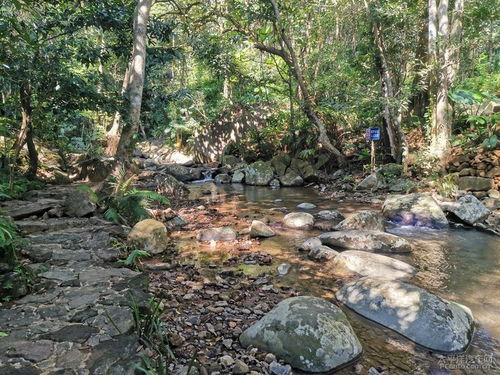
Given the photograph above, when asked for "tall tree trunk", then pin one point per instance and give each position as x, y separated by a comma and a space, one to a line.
137, 72
287, 53
25, 135
444, 59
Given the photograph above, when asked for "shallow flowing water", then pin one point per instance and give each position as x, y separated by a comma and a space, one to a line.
457, 264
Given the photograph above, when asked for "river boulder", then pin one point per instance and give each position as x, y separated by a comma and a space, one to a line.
415, 313
259, 173
291, 178
222, 178
217, 234
298, 220
183, 173
322, 253
473, 183
238, 177
149, 235
310, 244
468, 209
330, 215
364, 263
419, 210
366, 240
280, 164
309, 333
259, 229
368, 183
363, 220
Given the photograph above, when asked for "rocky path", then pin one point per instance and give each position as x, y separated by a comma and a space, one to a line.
78, 318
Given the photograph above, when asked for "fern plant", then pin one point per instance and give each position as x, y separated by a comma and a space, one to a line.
10, 240
125, 204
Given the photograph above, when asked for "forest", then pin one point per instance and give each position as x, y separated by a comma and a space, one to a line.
249, 187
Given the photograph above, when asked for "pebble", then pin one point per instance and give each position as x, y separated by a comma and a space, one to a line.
283, 269
306, 206
240, 367
270, 358
226, 360
227, 343
277, 369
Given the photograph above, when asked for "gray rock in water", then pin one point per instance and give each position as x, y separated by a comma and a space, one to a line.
79, 204
306, 206
298, 220
259, 173
172, 187
238, 177
259, 229
366, 240
330, 215
309, 333
363, 220
217, 234
222, 178
322, 253
374, 265
310, 244
468, 209
422, 317
415, 209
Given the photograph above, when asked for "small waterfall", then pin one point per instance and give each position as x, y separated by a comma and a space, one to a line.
207, 176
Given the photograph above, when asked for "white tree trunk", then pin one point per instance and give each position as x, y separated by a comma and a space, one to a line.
136, 76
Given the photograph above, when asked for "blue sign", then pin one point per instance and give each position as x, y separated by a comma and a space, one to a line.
372, 134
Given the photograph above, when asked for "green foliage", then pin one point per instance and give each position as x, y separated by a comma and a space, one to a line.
134, 257
445, 185
10, 241
154, 335
13, 185
125, 204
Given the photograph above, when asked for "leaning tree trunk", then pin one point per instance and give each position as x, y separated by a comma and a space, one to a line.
136, 78
392, 116
288, 54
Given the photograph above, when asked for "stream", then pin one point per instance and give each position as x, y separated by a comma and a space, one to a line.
461, 265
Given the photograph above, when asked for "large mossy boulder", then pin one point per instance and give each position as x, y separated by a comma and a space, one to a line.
363, 220
363, 263
419, 210
182, 173
259, 173
298, 220
421, 316
291, 178
366, 240
309, 333
281, 163
305, 169
149, 235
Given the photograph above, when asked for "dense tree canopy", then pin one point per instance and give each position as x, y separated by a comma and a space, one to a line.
331, 68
